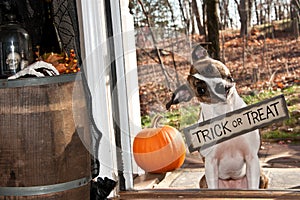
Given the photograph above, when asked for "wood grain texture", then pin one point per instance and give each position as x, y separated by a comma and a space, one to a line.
209, 194
41, 132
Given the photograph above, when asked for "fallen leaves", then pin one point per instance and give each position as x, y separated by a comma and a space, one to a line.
258, 64
64, 63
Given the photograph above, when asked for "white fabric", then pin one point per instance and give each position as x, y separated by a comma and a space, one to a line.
31, 70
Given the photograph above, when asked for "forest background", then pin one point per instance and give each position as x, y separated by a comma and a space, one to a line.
258, 40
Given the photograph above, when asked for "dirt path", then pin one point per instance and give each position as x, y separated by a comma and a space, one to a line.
280, 155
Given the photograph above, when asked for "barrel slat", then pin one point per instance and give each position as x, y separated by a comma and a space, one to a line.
42, 128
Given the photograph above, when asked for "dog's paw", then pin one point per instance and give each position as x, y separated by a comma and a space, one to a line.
263, 181
203, 183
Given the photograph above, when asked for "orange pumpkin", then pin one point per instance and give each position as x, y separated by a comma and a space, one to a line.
159, 150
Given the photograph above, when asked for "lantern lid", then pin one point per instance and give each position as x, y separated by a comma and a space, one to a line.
11, 24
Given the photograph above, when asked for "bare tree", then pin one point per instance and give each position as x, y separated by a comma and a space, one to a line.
176, 36
278, 10
295, 16
185, 9
296, 3
258, 20
261, 13
183, 15
204, 18
244, 8
268, 9
197, 16
224, 14
213, 28
155, 43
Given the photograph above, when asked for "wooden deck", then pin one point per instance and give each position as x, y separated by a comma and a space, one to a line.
209, 194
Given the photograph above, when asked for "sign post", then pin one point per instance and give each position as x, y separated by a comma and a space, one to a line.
235, 123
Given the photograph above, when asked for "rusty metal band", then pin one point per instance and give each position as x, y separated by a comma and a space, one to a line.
41, 190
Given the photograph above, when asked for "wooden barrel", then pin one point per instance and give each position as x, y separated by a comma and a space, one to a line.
43, 122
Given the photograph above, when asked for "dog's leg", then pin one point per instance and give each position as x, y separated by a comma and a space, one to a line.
211, 173
263, 183
253, 171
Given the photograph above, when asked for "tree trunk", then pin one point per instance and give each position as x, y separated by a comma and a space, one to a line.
261, 14
227, 16
245, 13
224, 14
280, 12
295, 16
250, 5
257, 13
193, 23
197, 15
162, 66
184, 17
176, 35
182, 11
204, 19
213, 29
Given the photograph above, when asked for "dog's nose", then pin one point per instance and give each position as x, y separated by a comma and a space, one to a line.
220, 88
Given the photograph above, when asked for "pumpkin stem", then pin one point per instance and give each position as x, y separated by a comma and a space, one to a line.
155, 121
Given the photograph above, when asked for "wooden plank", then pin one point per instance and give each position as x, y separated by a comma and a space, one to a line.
148, 180
209, 194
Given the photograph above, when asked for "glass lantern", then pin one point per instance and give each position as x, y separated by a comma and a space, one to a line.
15, 48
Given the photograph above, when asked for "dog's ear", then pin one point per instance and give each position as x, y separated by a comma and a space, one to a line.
183, 93
199, 53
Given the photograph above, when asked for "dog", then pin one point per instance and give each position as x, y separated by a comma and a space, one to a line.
233, 163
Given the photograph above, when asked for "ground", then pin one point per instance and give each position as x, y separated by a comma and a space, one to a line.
272, 155
279, 161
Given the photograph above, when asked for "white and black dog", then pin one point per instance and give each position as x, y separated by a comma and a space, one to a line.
233, 163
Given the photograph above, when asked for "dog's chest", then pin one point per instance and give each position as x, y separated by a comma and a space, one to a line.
209, 111
229, 154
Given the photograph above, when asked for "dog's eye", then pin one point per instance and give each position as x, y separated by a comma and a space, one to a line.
201, 90
200, 87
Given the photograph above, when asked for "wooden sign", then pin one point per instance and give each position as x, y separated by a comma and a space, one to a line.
238, 122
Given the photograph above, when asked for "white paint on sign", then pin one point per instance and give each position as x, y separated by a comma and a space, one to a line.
235, 123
